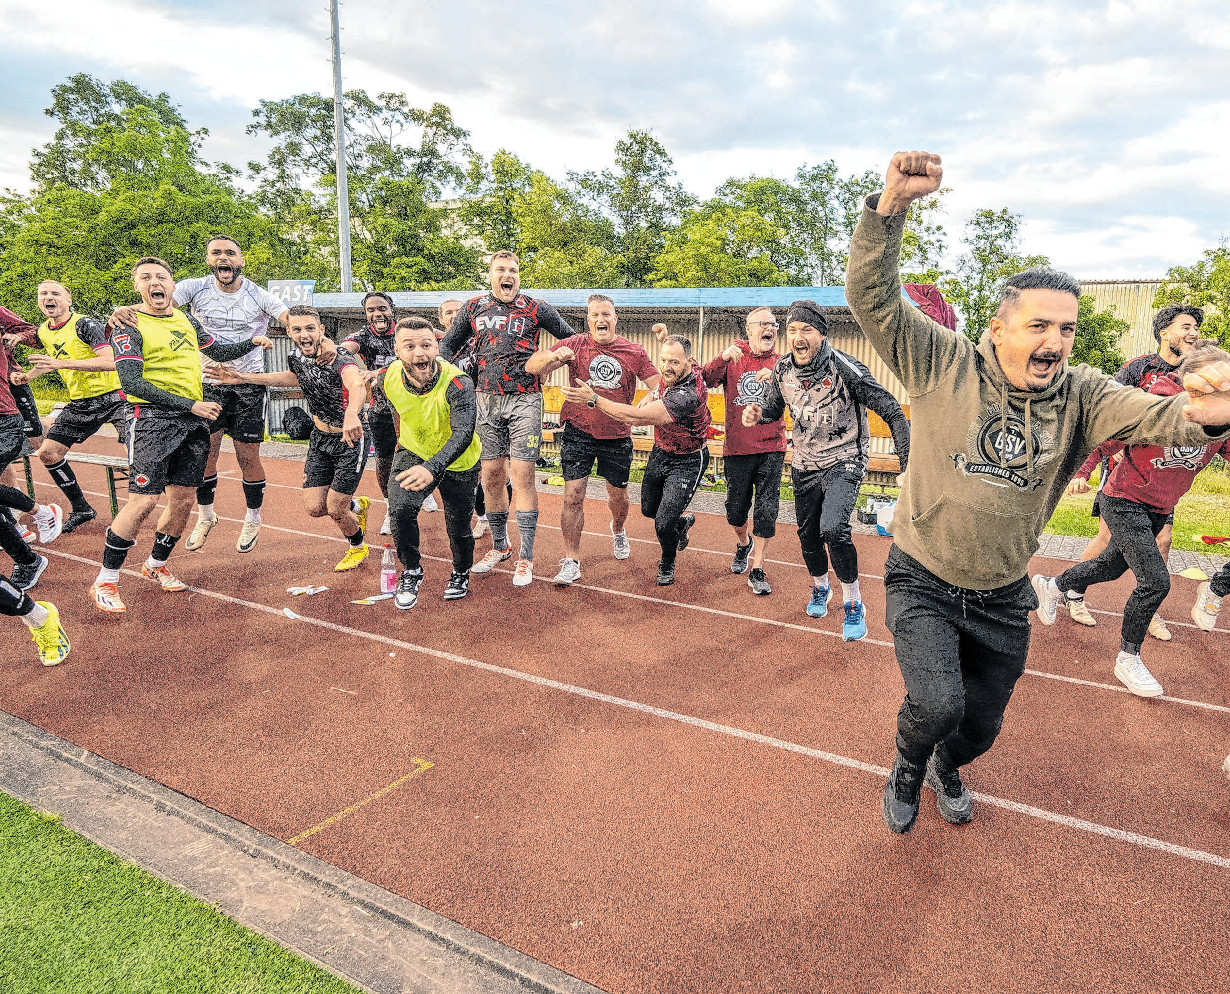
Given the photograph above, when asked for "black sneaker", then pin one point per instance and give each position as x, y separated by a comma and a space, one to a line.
26, 576
407, 593
458, 586
756, 580
901, 796
742, 553
666, 574
951, 797
685, 523
77, 519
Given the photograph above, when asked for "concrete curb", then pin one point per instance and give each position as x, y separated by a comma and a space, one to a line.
382, 948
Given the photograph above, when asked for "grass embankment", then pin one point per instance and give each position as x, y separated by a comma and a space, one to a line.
74, 918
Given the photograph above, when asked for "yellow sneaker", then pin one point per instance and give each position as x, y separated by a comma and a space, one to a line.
50, 637
354, 555
361, 513
163, 576
1080, 612
107, 598
1158, 629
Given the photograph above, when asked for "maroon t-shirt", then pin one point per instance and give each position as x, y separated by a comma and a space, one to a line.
11, 324
687, 404
738, 380
612, 370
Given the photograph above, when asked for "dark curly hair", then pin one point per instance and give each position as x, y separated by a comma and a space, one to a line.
1166, 316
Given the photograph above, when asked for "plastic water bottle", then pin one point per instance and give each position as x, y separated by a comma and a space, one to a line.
388, 570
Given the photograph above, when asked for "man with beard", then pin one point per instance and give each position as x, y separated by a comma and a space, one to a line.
374, 344
679, 411
753, 456
158, 359
505, 326
998, 429
828, 394
337, 450
437, 447
611, 365
1177, 329
77, 348
445, 314
231, 308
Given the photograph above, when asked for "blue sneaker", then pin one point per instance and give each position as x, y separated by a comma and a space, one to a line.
818, 606
854, 627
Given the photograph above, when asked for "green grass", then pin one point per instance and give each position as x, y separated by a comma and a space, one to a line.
74, 919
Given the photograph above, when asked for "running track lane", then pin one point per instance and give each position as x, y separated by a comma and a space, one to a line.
724, 884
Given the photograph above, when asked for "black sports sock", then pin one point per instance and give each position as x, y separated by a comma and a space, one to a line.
163, 544
64, 477
116, 550
254, 494
205, 492
356, 539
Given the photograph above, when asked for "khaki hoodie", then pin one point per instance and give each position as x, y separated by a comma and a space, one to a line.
988, 462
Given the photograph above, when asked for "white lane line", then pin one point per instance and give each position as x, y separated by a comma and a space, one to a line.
1079, 824
766, 621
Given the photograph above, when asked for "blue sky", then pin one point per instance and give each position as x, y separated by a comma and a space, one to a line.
1107, 125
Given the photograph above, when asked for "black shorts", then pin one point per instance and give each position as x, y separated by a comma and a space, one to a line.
80, 419
762, 471
580, 450
166, 451
384, 432
12, 438
243, 410
334, 464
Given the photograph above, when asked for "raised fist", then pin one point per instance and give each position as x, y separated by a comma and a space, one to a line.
661, 331
752, 415
1079, 485
911, 176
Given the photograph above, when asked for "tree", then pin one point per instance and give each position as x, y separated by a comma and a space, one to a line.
1097, 337
720, 245
641, 199
1205, 284
973, 287
924, 241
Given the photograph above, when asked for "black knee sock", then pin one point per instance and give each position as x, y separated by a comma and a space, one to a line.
356, 539
64, 477
116, 550
253, 493
205, 492
163, 544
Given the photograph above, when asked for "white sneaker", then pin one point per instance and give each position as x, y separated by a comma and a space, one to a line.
1204, 611
201, 532
569, 572
491, 560
523, 572
430, 504
623, 548
1048, 603
1225, 766
481, 528
1131, 672
248, 535
50, 523
386, 528
1080, 611
1158, 629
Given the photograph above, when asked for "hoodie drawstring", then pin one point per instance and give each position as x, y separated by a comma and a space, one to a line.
1003, 431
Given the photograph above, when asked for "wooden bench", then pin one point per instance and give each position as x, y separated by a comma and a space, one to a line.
116, 467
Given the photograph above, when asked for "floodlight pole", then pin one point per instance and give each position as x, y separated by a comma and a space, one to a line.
339, 143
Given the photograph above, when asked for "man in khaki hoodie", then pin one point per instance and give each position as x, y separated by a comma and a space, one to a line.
998, 430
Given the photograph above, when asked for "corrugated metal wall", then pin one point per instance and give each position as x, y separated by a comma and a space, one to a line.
1132, 301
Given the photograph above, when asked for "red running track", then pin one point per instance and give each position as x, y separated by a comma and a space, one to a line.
661, 790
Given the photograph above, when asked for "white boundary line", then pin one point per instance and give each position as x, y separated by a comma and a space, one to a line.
1079, 824
752, 618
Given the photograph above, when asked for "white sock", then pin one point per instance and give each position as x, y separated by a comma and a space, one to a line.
820, 581
1052, 587
850, 593
1072, 595
354, 506
253, 515
38, 617
482, 517
153, 563
108, 576
205, 511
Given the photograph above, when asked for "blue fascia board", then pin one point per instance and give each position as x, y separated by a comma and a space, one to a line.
754, 296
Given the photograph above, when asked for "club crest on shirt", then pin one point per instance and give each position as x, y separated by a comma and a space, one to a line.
122, 342
1180, 457
998, 447
605, 372
750, 390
